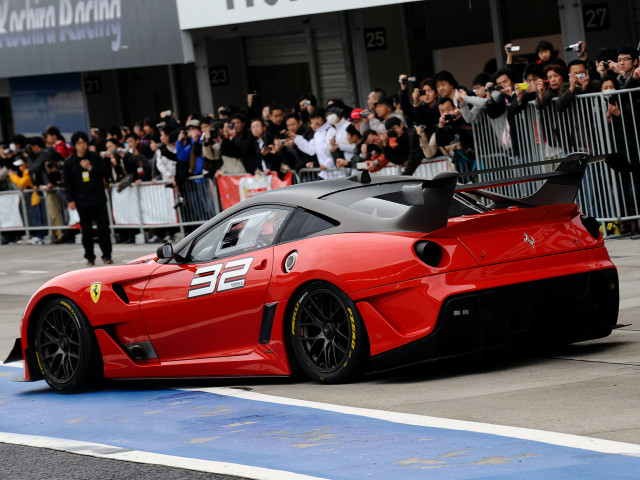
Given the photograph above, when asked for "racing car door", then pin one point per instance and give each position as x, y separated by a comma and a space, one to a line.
211, 304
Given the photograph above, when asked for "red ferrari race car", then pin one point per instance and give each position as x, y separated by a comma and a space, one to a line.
335, 278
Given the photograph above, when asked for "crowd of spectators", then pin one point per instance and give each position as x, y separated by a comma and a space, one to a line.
423, 119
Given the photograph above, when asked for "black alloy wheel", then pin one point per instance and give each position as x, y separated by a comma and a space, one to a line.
327, 334
66, 348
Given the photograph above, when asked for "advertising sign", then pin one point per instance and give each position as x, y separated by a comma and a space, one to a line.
57, 36
207, 13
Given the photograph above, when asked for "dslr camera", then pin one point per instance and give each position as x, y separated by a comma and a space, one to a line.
449, 117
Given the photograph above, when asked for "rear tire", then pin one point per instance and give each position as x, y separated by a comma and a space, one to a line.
327, 334
66, 349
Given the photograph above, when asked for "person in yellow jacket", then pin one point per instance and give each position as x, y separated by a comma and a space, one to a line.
21, 179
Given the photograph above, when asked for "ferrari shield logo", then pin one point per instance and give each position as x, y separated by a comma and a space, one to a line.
95, 291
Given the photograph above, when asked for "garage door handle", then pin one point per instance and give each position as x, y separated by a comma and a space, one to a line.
261, 266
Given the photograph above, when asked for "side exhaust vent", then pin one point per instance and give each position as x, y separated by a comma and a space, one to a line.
592, 226
141, 351
429, 252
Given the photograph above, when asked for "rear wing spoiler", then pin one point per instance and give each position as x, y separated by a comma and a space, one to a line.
561, 185
431, 200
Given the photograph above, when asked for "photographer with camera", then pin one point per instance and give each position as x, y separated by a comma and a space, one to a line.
265, 148
237, 148
395, 142
623, 69
384, 109
138, 168
579, 83
292, 156
425, 105
453, 135
370, 151
46, 174
472, 105
549, 88
502, 108
319, 145
306, 103
211, 140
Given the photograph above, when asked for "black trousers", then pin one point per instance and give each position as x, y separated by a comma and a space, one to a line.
100, 215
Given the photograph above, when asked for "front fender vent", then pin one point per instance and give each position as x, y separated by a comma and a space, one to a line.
119, 291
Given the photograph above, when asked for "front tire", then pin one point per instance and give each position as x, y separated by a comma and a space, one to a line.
66, 349
327, 334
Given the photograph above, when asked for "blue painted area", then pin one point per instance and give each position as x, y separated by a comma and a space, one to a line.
303, 440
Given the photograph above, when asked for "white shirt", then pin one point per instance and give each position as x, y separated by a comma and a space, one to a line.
342, 140
320, 146
165, 166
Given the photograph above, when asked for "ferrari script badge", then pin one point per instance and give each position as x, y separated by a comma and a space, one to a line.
95, 291
529, 240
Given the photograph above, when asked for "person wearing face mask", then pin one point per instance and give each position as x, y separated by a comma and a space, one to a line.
340, 141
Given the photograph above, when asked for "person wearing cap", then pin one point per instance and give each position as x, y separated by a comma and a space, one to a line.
384, 110
19, 175
189, 140
21, 178
189, 151
356, 117
84, 174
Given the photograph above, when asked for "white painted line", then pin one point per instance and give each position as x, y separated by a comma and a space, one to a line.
33, 272
116, 453
552, 438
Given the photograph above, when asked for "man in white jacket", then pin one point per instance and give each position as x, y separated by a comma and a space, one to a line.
335, 119
319, 145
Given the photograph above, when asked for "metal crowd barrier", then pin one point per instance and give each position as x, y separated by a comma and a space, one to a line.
151, 206
536, 135
311, 174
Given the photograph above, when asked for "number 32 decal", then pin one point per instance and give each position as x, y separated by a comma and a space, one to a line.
232, 277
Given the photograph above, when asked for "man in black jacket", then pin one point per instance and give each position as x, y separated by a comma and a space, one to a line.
84, 174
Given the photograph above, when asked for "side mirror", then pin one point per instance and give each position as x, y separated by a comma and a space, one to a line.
164, 251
